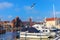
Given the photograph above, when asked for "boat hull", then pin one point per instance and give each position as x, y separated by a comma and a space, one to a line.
34, 35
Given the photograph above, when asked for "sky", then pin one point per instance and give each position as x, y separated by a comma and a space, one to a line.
9, 9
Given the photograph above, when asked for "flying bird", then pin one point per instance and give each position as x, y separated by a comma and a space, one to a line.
33, 5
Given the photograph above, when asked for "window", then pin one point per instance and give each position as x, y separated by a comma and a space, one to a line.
37, 27
44, 30
57, 22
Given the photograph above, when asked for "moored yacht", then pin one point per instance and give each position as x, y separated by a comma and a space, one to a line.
36, 31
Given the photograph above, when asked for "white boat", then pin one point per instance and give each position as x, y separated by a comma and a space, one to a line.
41, 28
44, 33
34, 35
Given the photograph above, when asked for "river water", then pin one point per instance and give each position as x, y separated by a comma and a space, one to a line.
7, 36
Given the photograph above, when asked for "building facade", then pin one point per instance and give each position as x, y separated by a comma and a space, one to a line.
52, 22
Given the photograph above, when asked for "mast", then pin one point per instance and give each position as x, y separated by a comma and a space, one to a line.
54, 13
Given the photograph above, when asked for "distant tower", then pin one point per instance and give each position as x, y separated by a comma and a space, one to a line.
17, 22
30, 22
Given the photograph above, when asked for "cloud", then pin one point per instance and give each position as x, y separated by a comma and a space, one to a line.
35, 11
31, 17
1, 16
38, 18
17, 9
5, 5
10, 16
57, 12
28, 9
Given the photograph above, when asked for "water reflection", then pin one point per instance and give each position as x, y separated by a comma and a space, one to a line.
7, 36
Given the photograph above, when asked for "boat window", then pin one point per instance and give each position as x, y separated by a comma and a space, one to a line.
44, 30
37, 27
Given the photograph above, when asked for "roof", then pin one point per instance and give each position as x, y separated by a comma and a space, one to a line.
51, 19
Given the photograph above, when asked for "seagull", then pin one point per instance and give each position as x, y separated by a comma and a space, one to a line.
33, 5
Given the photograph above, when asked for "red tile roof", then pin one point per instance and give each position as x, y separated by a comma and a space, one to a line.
51, 19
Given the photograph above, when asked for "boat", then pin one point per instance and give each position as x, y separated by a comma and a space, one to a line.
36, 31
41, 28
33, 35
